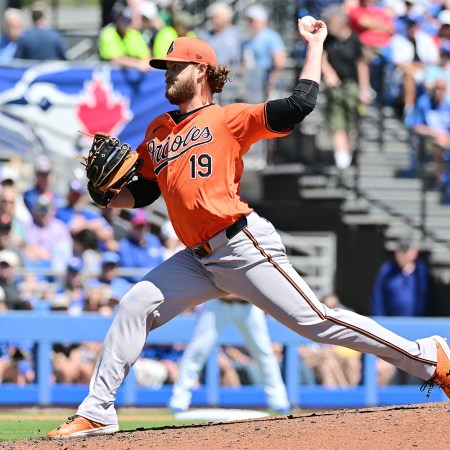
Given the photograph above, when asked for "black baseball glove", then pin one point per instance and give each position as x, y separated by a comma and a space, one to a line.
110, 166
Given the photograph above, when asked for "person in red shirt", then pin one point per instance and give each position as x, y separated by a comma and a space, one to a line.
374, 25
193, 158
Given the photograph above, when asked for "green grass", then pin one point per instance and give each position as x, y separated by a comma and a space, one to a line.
34, 422
24, 424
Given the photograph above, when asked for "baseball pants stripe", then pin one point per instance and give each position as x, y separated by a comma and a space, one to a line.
325, 317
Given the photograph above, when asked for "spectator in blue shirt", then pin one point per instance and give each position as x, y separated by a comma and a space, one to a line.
71, 295
12, 29
402, 284
432, 121
219, 30
401, 290
43, 184
40, 42
74, 213
109, 276
77, 215
264, 53
140, 248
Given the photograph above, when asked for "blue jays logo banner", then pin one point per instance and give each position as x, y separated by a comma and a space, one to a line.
48, 103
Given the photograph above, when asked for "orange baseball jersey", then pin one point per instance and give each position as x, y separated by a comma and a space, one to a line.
198, 165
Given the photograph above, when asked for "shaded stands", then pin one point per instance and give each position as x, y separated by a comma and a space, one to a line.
368, 206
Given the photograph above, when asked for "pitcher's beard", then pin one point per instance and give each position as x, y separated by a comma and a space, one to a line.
180, 92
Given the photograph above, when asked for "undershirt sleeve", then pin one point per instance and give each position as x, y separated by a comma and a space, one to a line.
285, 113
144, 192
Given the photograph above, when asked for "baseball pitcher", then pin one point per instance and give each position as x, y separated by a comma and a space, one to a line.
192, 156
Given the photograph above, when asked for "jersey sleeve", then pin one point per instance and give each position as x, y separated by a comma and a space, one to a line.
248, 123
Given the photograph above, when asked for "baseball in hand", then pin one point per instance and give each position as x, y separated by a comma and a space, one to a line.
308, 23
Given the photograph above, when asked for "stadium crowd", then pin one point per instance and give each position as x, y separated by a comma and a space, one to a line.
61, 253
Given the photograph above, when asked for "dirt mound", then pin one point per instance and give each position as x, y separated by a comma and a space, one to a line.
423, 426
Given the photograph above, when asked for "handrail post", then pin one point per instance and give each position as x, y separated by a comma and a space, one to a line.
292, 370
44, 371
370, 380
212, 379
423, 185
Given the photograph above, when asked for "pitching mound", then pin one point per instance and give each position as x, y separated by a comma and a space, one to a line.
423, 426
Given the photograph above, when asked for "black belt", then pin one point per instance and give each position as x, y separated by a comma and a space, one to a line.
234, 300
204, 249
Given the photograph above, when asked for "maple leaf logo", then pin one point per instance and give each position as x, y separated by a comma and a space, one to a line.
99, 108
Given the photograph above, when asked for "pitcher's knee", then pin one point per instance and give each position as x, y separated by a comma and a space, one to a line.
143, 298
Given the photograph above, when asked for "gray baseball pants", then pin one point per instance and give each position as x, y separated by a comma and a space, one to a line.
252, 265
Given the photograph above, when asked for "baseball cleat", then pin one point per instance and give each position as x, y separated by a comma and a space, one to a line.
441, 376
78, 426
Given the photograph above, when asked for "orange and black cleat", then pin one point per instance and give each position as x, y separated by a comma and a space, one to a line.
441, 376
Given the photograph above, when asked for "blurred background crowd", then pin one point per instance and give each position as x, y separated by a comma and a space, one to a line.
60, 253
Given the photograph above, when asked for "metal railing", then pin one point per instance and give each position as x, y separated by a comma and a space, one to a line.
47, 329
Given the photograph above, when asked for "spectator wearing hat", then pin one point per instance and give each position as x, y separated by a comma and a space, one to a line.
12, 27
401, 285
444, 26
11, 202
74, 213
182, 25
221, 29
9, 262
86, 246
264, 54
109, 276
151, 23
71, 296
77, 216
140, 249
121, 44
8, 175
48, 240
43, 183
40, 42
401, 289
